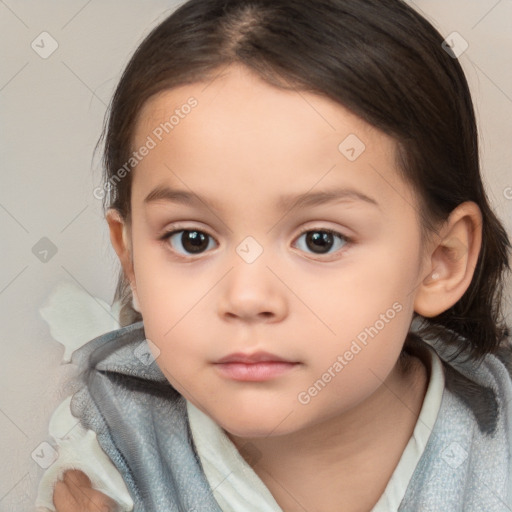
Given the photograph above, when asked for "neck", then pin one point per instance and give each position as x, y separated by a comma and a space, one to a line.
349, 458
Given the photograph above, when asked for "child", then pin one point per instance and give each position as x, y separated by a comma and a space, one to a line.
294, 194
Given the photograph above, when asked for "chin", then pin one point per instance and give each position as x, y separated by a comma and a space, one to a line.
252, 431
257, 424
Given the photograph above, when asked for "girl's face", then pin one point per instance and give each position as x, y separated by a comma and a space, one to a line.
258, 269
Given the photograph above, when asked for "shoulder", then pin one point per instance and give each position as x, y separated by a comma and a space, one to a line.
504, 355
484, 387
111, 346
467, 461
119, 359
118, 371
123, 407
75, 447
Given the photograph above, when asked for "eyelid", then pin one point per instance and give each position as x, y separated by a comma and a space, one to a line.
177, 226
323, 228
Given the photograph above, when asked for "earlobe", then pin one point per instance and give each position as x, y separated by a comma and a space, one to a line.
452, 261
135, 300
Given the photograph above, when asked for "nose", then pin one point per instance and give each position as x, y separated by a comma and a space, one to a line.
252, 292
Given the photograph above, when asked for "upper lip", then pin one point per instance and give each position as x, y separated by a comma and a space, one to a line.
256, 357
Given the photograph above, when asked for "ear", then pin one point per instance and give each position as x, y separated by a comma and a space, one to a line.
450, 261
121, 242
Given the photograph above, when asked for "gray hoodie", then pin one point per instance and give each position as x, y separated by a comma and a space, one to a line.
142, 425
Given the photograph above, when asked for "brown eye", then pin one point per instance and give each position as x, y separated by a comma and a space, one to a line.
192, 241
321, 241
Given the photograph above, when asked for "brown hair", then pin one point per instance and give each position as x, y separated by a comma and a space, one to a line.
378, 58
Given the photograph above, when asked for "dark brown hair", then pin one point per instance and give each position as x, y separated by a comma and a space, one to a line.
378, 58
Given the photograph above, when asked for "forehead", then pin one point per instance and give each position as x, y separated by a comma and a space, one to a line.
243, 134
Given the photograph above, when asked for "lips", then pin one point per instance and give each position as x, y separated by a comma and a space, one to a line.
257, 357
256, 367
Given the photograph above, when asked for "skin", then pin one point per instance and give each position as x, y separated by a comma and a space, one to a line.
75, 494
244, 145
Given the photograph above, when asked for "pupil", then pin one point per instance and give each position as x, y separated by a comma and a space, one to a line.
323, 240
193, 240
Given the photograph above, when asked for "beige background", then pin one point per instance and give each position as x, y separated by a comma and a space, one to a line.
51, 115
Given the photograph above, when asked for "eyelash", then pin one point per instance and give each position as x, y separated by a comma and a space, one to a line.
179, 229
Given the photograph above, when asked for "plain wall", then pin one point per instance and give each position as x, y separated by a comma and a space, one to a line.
52, 113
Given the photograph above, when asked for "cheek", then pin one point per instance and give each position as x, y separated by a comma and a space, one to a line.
346, 369
374, 289
368, 311
168, 301
387, 270
165, 288
173, 324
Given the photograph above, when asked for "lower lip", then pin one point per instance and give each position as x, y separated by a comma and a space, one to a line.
255, 372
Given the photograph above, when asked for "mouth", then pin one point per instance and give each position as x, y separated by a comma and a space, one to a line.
257, 367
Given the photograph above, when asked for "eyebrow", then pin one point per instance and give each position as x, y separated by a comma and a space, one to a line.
284, 202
